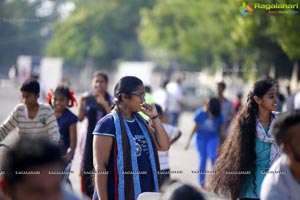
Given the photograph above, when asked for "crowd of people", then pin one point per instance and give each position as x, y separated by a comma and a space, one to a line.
124, 138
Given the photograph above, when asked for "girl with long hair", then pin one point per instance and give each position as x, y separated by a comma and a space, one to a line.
250, 149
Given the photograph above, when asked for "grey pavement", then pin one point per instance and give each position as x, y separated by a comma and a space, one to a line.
182, 162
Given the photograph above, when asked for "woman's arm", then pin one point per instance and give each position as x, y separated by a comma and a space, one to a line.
101, 100
73, 141
196, 127
101, 152
176, 138
160, 136
82, 102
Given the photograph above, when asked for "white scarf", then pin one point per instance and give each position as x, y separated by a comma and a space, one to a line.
269, 138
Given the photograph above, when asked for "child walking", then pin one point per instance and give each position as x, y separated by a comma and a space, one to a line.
60, 100
31, 117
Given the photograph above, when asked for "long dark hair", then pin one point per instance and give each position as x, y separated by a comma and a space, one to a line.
214, 106
237, 155
127, 85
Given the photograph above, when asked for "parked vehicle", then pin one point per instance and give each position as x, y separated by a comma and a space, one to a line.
195, 95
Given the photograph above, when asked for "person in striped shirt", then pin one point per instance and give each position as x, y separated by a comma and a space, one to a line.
31, 117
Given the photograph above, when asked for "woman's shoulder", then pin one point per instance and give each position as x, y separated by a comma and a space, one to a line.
70, 114
106, 119
200, 111
86, 94
105, 126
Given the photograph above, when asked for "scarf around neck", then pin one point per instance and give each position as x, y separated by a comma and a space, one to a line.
269, 138
128, 186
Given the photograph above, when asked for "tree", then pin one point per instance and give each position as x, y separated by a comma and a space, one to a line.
194, 31
203, 33
99, 31
21, 28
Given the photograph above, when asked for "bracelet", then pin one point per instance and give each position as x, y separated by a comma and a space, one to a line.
154, 117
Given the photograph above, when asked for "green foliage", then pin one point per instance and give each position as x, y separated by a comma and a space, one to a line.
99, 31
204, 33
21, 28
194, 31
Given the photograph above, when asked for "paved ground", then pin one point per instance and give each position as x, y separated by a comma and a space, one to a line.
183, 162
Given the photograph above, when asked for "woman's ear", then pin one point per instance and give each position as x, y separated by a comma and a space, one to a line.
124, 97
257, 99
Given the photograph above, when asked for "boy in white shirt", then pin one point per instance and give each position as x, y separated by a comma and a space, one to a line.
31, 117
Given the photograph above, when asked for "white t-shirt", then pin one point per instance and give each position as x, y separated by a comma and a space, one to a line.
279, 183
172, 133
297, 100
160, 97
175, 97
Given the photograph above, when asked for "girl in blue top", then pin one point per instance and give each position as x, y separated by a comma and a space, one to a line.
208, 126
125, 145
250, 149
60, 100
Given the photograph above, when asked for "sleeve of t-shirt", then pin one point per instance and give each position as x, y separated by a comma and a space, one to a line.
105, 126
9, 124
73, 118
270, 191
197, 117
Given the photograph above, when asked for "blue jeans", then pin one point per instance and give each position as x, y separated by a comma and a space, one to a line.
207, 147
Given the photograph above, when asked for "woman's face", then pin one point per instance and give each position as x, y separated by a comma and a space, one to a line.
137, 99
269, 100
99, 84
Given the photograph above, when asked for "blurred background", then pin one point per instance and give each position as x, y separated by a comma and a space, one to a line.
73, 38
202, 42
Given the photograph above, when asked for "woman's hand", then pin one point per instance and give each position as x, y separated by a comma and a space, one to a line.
82, 103
149, 109
69, 156
101, 100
